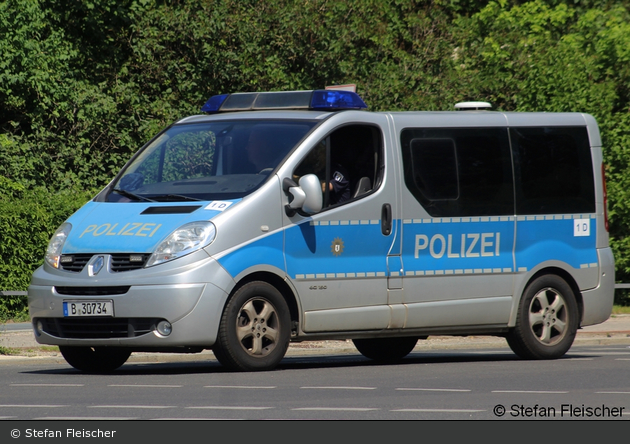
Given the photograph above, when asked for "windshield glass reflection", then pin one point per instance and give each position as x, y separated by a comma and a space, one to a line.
207, 161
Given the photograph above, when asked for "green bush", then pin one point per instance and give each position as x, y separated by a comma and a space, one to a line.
84, 84
28, 218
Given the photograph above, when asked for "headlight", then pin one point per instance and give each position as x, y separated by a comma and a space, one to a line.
53, 252
186, 239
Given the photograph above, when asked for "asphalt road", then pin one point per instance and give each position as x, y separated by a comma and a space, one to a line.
590, 382
444, 378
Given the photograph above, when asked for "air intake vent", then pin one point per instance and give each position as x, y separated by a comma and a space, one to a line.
172, 209
98, 328
92, 291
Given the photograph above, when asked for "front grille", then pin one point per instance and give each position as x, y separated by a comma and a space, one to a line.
120, 261
74, 262
92, 291
98, 328
127, 261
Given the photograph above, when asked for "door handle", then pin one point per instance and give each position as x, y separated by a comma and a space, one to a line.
386, 219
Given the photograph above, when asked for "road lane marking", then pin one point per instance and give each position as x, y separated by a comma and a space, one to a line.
29, 406
145, 385
227, 407
433, 389
336, 409
611, 353
613, 393
132, 406
537, 392
86, 418
255, 387
438, 410
47, 385
608, 348
340, 388
195, 419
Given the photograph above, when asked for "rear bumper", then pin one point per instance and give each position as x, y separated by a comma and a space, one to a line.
598, 302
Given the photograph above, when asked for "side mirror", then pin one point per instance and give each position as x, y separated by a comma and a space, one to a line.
307, 196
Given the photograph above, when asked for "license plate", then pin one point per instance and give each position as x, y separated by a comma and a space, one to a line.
88, 308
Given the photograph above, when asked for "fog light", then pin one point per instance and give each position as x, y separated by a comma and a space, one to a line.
164, 328
39, 329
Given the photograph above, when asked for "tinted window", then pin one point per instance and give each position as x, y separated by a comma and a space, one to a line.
435, 168
553, 169
459, 172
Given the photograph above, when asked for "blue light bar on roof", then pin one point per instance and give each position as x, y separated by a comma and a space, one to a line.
214, 103
333, 100
322, 100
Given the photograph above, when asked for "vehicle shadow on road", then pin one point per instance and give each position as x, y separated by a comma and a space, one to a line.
289, 363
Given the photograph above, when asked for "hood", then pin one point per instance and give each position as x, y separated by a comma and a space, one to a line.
134, 227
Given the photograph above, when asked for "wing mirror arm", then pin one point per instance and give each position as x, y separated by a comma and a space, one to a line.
305, 196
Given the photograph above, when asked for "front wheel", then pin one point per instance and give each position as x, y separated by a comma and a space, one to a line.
547, 320
385, 349
255, 329
95, 359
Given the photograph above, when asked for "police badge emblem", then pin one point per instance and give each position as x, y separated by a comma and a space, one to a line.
337, 246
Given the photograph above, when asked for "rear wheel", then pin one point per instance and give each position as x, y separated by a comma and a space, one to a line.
95, 359
255, 329
547, 319
385, 349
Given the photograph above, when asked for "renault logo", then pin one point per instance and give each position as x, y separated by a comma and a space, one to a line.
96, 266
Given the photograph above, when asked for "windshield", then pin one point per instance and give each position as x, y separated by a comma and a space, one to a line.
208, 161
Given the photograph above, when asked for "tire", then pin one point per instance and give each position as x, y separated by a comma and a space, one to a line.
255, 329
385, 349
95, 359
547, 320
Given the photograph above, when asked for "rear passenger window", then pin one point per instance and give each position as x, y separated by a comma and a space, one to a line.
553, 168
435, 168
456, 172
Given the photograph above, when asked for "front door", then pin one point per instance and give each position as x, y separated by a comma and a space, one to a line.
337, 259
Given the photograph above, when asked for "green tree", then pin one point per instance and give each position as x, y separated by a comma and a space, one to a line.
84, 84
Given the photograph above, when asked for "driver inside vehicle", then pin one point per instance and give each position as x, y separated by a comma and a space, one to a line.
262, 152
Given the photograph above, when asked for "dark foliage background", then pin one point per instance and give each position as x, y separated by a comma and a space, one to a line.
84, 84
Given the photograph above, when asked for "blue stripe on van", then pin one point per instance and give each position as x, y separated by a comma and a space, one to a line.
266, 250
464, 245
480, 245
543, 240
474, 245
337, 249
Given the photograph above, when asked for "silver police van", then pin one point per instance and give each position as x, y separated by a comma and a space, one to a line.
296, 216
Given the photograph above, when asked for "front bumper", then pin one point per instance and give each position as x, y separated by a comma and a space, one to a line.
189, 293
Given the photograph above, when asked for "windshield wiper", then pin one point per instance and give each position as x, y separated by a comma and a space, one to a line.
174, 197
136, 197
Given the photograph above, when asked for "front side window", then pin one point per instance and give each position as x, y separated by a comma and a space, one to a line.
348, 163
207, 161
